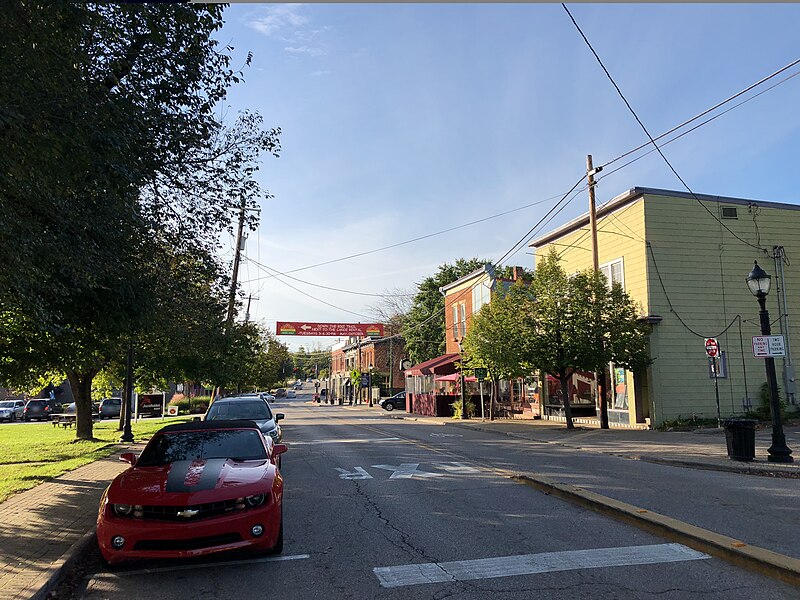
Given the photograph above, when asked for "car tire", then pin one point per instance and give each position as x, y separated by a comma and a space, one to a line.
278, 547
13, 418
389, 406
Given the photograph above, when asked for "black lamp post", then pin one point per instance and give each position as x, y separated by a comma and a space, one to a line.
127, 434
758, 281
369, 389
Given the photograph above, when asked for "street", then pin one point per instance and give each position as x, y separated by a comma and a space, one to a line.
378, 507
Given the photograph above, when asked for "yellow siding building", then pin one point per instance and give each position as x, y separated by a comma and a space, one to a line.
684, 259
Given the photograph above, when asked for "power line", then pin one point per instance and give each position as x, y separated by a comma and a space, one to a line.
650, 137
416, 239
713, 108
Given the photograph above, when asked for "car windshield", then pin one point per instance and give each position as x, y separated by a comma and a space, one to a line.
6, 405
257, 411
235, 444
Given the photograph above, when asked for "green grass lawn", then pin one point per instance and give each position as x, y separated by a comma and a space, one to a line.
35, 452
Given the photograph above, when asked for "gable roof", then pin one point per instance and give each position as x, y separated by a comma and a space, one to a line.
486, 269
439, 365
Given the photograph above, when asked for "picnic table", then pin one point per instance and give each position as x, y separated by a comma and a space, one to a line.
64, 419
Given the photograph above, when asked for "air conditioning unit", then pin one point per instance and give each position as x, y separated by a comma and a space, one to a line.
172, 411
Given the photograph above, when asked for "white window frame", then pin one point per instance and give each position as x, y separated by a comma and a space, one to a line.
621, 262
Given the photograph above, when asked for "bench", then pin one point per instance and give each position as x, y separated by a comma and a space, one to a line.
63, 419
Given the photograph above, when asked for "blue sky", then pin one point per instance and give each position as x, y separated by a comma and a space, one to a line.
403, 120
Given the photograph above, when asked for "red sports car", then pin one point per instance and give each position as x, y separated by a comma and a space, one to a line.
196, 488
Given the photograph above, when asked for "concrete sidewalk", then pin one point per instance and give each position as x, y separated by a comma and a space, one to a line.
42, 530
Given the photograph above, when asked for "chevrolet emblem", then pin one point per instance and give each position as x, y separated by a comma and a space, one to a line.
188, 513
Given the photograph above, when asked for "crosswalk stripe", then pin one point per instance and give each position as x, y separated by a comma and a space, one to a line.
529, 564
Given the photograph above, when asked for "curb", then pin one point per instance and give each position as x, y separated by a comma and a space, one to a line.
742, 469
48, 580
754, 558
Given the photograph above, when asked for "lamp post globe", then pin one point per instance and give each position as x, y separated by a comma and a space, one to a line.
759, 283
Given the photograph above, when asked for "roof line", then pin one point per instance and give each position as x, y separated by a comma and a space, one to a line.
634, 194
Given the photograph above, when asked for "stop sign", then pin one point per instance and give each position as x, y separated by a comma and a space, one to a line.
712, 347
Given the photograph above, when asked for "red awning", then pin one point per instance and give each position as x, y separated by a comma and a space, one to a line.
443, 364
456, 377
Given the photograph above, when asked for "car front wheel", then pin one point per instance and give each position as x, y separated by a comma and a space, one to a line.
278, 547
13, 417
389, 406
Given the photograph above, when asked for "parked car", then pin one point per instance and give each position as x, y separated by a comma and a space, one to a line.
267, 396
298, 385
11, 410
70, 410
291, 394
197, 488
252, 409
280, 393
110, 408
396, 401
40, 409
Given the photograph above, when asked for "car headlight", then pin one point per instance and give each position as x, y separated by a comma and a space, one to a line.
257, 500
123, 510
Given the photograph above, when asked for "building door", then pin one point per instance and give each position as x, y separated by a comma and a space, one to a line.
641, 393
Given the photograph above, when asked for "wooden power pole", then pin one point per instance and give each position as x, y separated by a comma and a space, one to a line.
235, 274
600, 376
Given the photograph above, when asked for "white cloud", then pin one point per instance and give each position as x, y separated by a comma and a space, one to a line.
310, 50
320, 73
278, 18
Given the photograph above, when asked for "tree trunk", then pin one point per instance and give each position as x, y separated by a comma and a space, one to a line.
564, 379
81, 385
491, 399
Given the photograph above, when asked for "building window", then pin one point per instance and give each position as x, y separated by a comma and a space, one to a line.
614, 272
455, 322
462, 311
729, 212
481, 295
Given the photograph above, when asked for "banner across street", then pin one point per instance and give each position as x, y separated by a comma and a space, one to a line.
329, 329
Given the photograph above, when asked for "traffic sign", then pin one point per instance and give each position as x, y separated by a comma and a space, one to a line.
765, 346
712, 347
480, 373
329, 329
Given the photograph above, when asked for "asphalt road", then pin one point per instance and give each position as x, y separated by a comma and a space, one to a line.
380, 508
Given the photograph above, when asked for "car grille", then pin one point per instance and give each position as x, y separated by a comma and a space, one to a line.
188, 544
170, 513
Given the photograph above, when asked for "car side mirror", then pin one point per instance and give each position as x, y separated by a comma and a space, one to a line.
196, 419
278, 449
279, 416
128, 457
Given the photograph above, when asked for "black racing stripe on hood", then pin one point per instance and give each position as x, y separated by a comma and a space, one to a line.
208, 478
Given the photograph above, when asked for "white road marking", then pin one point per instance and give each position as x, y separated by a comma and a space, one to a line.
406, 471
348, 441
199, 565
446, 435
358, 473
529, 564
457, 467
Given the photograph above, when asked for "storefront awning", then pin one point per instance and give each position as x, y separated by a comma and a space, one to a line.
456, 377
441, 365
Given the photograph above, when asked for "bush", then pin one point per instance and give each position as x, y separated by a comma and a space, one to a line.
457, 409
763, 413
193, 406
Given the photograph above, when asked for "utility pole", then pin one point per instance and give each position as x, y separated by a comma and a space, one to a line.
247, 312
600, 376
235, 274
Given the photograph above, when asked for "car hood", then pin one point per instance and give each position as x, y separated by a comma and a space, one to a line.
192, 482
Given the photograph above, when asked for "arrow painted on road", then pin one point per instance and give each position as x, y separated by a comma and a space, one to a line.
406, 471
358, 473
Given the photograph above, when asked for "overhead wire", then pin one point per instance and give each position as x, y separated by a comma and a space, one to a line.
650, 137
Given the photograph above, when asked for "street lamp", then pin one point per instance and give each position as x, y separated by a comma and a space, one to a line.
369, 389
758, 281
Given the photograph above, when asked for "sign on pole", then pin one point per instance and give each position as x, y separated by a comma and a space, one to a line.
712, 347
329, 329
765, 346
480, 373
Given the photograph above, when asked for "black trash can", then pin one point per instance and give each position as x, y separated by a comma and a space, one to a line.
740, 436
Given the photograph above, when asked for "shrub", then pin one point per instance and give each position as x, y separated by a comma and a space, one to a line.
193, 406
457, 409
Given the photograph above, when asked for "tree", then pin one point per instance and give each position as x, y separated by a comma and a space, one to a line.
496, 337
112, 147
565, 317
424, 330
